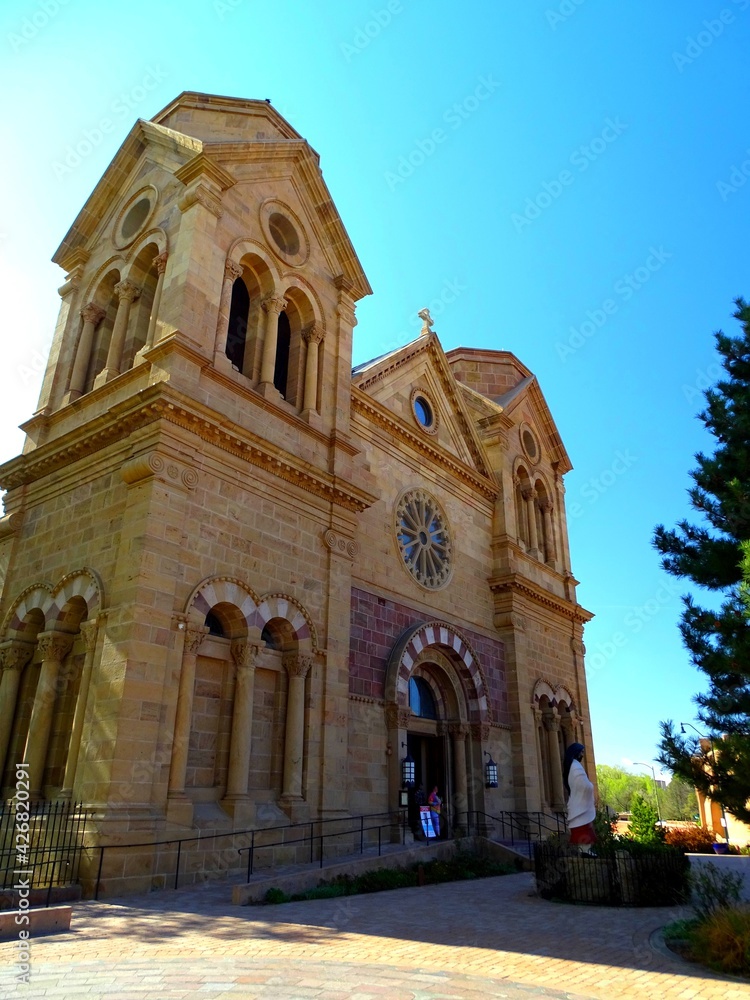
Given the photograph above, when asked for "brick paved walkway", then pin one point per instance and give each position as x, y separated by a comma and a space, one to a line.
465, 940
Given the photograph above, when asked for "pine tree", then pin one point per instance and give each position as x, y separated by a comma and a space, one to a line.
716, 555
643, 820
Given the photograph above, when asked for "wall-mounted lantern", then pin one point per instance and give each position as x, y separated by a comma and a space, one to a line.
407, 770
490, 772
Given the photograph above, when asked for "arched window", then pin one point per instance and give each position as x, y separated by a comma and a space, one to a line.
239, 312
283, 343
214, 624
421, 700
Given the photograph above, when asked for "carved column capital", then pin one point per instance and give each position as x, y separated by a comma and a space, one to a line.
552, 722
538, 715
545, 506
244, 654
15, 654
232, 270
160, 262
92, 313
528, 493
127, 290
274, 304
54, 646
194, 636
297, 664
89, 630
313, 334
459, 730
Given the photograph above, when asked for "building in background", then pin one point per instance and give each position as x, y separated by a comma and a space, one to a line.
241, 582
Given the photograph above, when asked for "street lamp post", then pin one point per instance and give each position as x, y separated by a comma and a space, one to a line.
713, 754
656, 787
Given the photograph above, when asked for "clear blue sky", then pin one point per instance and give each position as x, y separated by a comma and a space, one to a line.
566, 180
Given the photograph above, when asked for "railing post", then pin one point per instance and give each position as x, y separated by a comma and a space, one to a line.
312, 834
99, 873
177, 867
380, 828
321, 848
361, 834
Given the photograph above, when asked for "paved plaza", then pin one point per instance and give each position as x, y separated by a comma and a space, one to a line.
460, 941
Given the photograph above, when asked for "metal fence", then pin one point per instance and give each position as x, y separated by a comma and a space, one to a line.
41, 844
636, 876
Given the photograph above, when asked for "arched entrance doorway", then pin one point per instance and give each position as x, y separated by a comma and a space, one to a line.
437, 712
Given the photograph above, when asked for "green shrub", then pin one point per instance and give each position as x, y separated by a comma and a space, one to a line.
275, 895
713, 890
643, 820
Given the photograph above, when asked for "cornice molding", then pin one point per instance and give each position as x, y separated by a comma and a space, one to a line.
515, 585
159, 402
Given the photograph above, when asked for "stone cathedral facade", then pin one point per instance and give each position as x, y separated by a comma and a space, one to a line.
241, 580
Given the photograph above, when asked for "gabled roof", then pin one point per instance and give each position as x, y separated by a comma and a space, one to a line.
222, 130
386, 367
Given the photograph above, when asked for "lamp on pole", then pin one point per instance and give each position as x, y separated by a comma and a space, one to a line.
638, 763
713, 754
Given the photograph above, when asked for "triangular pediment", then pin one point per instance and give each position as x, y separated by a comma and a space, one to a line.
146, 141
402, 381
233, 143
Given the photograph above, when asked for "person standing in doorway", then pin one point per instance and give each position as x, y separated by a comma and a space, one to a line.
435, 803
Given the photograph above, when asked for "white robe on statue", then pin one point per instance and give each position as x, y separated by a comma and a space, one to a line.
581, 807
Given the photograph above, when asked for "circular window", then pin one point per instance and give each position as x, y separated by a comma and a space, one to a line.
284, 234
134, 216
423, 539
423, 411
530, 446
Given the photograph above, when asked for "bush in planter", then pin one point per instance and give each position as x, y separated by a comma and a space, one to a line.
722, 940
692, 839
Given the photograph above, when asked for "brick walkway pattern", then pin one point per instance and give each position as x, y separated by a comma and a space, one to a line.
464, 940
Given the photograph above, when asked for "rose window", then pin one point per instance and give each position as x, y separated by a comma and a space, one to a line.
423, 539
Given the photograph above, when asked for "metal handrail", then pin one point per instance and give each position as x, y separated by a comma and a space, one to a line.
284, 841
520, 824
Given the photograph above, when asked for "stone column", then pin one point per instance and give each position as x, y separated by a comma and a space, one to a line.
14, 655
313, 337
529, 496
127, 293
244, 656
54, 647
88, 632
160, 263
272, 306
555, 765
549, 537
459, 732
232, 272
544, 792
297, 667
397, 724
194, 636
92, 315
